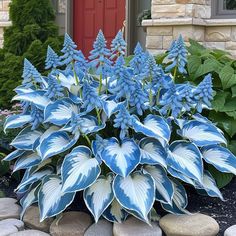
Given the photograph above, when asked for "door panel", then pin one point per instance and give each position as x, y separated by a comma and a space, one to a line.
92, 15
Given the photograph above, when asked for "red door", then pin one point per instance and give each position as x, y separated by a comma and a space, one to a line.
92, 15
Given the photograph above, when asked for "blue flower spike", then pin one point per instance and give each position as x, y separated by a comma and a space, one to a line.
52, 59
118, 46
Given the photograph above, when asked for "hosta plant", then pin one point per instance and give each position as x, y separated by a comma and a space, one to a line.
124, 135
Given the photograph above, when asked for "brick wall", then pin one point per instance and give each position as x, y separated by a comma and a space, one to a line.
192, 19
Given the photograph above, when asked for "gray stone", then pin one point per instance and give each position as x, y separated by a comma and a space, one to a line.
231, 231
135, 227
30, 233
6, 230
71, 224
101, 228
12, 222
9, 208
32, 220
189, 225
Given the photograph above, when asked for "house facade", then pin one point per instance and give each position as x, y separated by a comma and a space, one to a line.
210, 22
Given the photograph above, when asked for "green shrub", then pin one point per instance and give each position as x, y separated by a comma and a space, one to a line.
32, 30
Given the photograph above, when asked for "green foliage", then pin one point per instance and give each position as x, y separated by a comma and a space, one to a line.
4, 165
32, 30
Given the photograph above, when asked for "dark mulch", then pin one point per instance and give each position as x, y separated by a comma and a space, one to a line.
7, 186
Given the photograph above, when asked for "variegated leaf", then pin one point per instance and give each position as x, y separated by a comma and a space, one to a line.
153, 126
121, 158
221, 158
28, 199
79, 170
36, 97
27, 139
202, 133
136, 193
60, 112
164, 187
14, 155
99, 196
97, 147
52, 200
27, 160
209, 185
111, 107
17, 121
186, 158
115, 212
180, 201
55, 143
152, 152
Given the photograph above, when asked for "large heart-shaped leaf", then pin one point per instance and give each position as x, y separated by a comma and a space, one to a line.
221, 158
115, 212
55, 143
52, 200
202, 134
27, 139
60, 112
153, 126
136, 193
164, 187
121, 158
152, 152
79, 170
17, 121
186, 158
36, 97
99, 196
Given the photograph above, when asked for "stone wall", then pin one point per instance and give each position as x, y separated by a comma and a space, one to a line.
4, 18
191, 19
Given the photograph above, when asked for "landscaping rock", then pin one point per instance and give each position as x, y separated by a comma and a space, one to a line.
71, 224
6, 230
189, 225
9, 208
32, 220
30, 233
135, 227
231, 231
12, 222
101, 228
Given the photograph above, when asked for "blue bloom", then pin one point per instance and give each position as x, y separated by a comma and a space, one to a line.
138, 99
123, 120
151, 68
118, 68
138, 60
177, 54
100, 54
118, 46
70, 52
204, 93
30, 76
55, 89
52, 60
37, 117
90, 98
126, 85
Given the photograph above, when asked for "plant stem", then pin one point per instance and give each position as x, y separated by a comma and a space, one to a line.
175, 72
98, 116
100, 85
150, 92
87, 138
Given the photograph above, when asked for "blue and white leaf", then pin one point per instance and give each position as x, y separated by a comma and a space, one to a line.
152, 152
52, 200
13, 155
164, 186
153, 126
115, 212
79, 170
122, 158
136, 193
60, 112
202, 133
221, 158
186, 158
99, 196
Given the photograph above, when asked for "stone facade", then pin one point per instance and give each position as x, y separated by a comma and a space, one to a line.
4, 18
191, 19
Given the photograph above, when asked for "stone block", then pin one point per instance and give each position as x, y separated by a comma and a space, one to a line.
168, 11
189, 31
160, 30
164, 2
154, 42
215, 45
230, 45
233, 33
4, 16
5, 6
167, 40
218, 34
202, 11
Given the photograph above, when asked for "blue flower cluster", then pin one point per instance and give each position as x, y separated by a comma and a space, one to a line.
52, 59
118, 46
